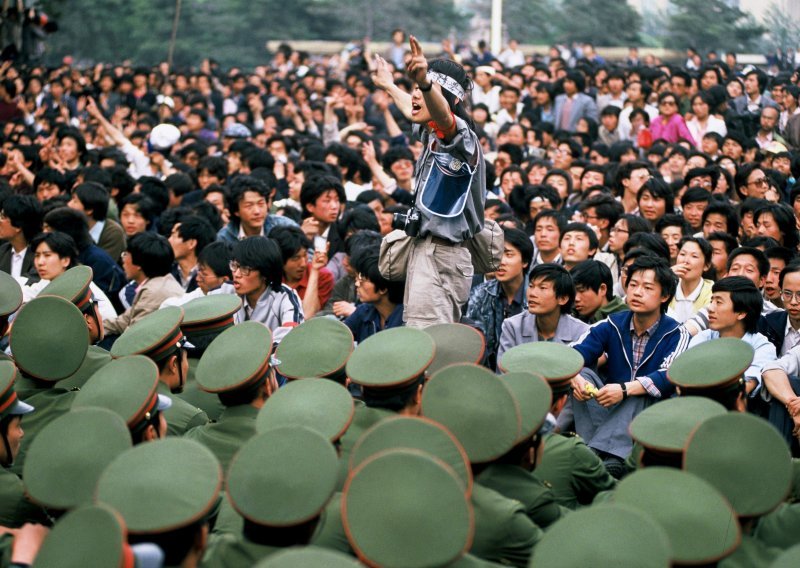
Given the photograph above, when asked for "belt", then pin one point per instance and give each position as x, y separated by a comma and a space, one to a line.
440, 241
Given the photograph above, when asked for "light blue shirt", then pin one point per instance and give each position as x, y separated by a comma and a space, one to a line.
764, 353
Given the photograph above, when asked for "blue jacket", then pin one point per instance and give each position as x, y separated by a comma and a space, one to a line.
612, 336
366, 321
230, 232
106, 273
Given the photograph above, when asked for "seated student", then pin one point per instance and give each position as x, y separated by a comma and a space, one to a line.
734, 311
722, 245
640, 345
672, 228
493, 301
93, 199
594, 292
106, 273
311, 280
720, 216
694, 291
189, 237
257, 272
381, 304
693, 203
137, 214
655, 199
547, 227
743, 261
322, 198
48, 183
550, 296
249, 200
779, 258
578, 242
344, 298
147, 262
20, 221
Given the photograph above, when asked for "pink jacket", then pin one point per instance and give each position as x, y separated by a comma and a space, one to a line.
672, 131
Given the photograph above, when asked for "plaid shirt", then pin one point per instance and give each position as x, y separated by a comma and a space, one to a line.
639, 346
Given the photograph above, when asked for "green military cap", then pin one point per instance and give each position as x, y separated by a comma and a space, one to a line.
388, 524
534, 397
604, 535
283, 477
666, 426
161, 486
10, 294
700, 523
237, 358
319, 347
209, 314
93, 535
392, 358
73, 286
324, 406
49, 339
10, 404
477, 407
556, 363
745, 458
714, 365
455, 343
309, 557
415, 433
790, 558
157, 335
127, 386
69, 454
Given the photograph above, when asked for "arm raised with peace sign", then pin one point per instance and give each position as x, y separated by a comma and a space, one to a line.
382, 78
437, 106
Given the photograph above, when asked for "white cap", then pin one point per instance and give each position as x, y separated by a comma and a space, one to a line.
164, 136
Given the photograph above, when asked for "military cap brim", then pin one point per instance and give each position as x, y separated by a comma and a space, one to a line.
210, 313
391, 358
319, 347
10, 294
556, 363
711, 364
666, 426
534, 397
10, 404
237, 358
455, 343
154, 336
308, 557
73, 286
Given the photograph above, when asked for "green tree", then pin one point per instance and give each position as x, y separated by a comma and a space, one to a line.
531, 21
784, 33
611, 22
712, 24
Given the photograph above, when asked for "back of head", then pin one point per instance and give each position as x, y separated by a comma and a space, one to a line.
152, 253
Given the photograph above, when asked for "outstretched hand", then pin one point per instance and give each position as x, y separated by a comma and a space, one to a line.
382, 75
417, 67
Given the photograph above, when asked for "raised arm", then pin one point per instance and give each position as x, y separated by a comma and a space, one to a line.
382, 78
431, 91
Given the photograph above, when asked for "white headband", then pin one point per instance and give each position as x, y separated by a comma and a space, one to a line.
447, 83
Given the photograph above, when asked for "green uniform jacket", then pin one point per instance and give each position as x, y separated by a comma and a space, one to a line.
503, 532
181, 416
616, 304
364, 418
236, 425
49, 402
96, 359
15, 508
573, 470
194, 395
781, 528
752, 553
6, 545
516, 483
232, 552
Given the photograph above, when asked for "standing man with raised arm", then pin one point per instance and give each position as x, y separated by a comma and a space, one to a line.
450, 189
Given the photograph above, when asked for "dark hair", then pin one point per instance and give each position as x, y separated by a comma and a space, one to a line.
651, 241
49, 175
730, 241
605, 207
217, 256
179, 184
262, 254
94, 197
215, 166
143, 205
705, 247
365, 262
659, 190
578, 78
556, 172
726, 210
122, 181
289, 240
663, 274
695, 195
673, 220
556, 216
60, 243
635, 224
784, 218
358, 218
581, 228
745, 297
791, 268
395, 154
520, 241
592, 274
75, 134
156, 190
197, 228
314, 187
152, 253
24, 212
241, 185
742, 173
561, 279
781, 253
625, 171
712, 171
757, 254
459, 74
72, 222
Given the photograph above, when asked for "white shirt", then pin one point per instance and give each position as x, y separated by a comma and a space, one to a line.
684, 305
241, 234
491, 99
624, 127
96, 230
511, 57
16, 261
791, 338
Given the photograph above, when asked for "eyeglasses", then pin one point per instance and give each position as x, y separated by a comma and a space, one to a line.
670, 103
244, 270
788, 296
619, 230
763, 182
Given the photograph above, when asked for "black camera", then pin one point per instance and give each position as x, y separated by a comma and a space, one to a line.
409, 222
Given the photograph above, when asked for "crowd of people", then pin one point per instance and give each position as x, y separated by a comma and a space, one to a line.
180, 247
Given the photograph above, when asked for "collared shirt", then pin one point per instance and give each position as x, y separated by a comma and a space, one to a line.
16, 261
682, 308
242, 235
97, 230
639, 345
754, 106
791, 338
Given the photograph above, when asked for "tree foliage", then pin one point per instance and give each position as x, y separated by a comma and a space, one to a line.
712, 24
